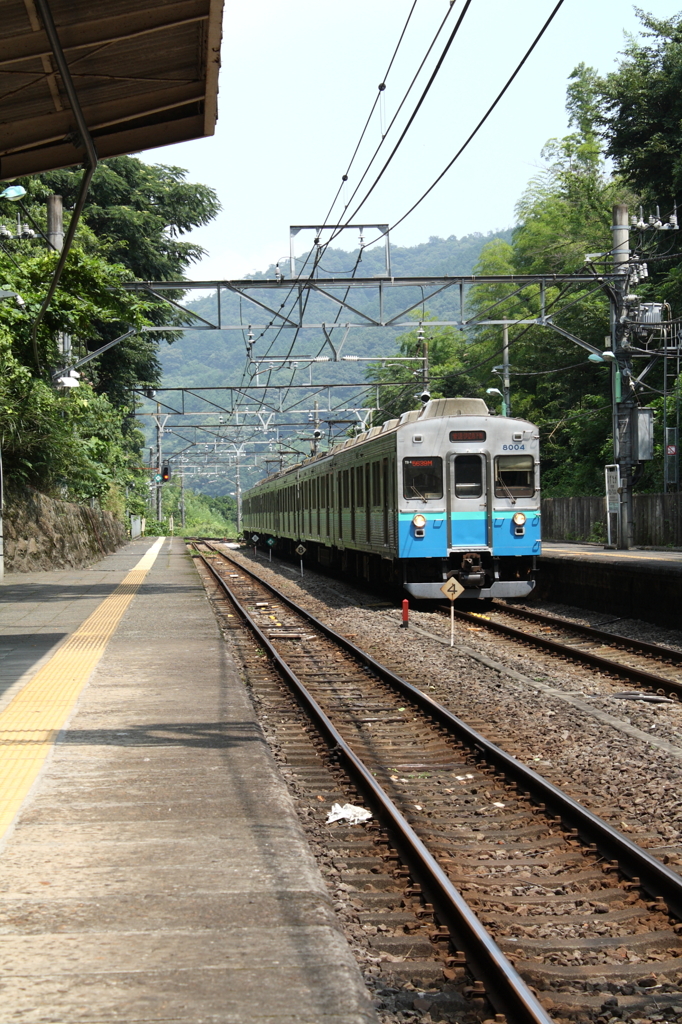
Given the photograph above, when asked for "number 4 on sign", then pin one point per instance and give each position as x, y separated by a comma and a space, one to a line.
452, 588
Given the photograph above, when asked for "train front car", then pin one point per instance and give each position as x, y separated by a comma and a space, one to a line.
469, 501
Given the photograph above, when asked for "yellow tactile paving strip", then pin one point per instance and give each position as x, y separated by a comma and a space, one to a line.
30, 723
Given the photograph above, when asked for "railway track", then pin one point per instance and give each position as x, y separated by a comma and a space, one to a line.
522, 881
609, 652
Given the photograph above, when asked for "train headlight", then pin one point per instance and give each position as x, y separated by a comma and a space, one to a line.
419, 521
518, 519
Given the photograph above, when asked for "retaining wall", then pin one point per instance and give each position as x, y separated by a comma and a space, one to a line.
45, 533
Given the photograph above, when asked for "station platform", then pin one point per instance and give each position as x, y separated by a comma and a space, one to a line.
639, 583
152, 865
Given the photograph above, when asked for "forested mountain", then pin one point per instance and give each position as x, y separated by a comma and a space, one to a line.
204, 358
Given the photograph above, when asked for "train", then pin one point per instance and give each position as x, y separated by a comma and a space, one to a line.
447, 490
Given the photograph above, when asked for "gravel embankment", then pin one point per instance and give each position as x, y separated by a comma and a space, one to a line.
621, 758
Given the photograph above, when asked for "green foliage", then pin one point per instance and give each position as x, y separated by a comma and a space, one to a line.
641, 109
71, 443
84, 443
138, 210
564, 213
640, 113
446, 352
204, 515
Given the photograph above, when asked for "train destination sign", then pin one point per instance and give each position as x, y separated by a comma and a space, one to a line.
467, 435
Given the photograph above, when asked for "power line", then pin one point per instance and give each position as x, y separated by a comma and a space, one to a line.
381, 88
476, 130
414, 113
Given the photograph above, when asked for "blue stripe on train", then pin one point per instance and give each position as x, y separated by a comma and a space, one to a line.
469, 529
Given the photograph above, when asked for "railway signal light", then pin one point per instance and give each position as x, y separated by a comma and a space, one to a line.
165, 473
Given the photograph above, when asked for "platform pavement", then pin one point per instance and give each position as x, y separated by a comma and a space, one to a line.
658, 557
157, 872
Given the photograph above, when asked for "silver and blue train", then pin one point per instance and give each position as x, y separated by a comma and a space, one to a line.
445, 491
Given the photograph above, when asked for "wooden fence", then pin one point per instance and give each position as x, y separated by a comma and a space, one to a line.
658, 519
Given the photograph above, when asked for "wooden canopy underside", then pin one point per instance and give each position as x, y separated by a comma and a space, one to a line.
146, 75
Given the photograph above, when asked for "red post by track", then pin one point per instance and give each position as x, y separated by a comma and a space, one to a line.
406, 614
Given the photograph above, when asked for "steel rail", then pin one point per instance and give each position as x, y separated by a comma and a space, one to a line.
505, 988
636, 863
636, 675
631, 643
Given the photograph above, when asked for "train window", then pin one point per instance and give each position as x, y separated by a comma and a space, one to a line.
468, 476
514, 476
423, 478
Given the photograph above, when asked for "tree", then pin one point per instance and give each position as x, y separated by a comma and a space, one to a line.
85, 442
137, 212
564, 213
133, 218
640, 110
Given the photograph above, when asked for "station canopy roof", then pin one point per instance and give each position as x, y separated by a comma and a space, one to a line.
145, 74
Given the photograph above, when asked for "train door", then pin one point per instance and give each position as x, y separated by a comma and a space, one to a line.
384, 495
327, 501
468, 516
352, 473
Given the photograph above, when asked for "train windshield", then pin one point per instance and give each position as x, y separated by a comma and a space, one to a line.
468, 476
514, 476
423, 478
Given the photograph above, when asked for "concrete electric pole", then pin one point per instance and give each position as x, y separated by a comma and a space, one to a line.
622, 391
55, 237
159, 453
506, 386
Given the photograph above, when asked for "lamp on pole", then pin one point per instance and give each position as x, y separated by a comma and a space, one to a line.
496, 391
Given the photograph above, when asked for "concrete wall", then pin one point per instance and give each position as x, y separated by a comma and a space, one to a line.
658, 519
637, 590
45, 533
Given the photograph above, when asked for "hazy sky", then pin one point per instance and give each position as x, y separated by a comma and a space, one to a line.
297, 83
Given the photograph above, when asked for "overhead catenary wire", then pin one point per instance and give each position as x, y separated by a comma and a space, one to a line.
381, 87
466, 143
393, 119
319, 250
472, 134
420, 101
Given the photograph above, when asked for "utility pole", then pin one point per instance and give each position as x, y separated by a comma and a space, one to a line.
55, 222
316, 432
424, 345
182, 496
159, 485
55, 236
623, 396
239, 498
506, 388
